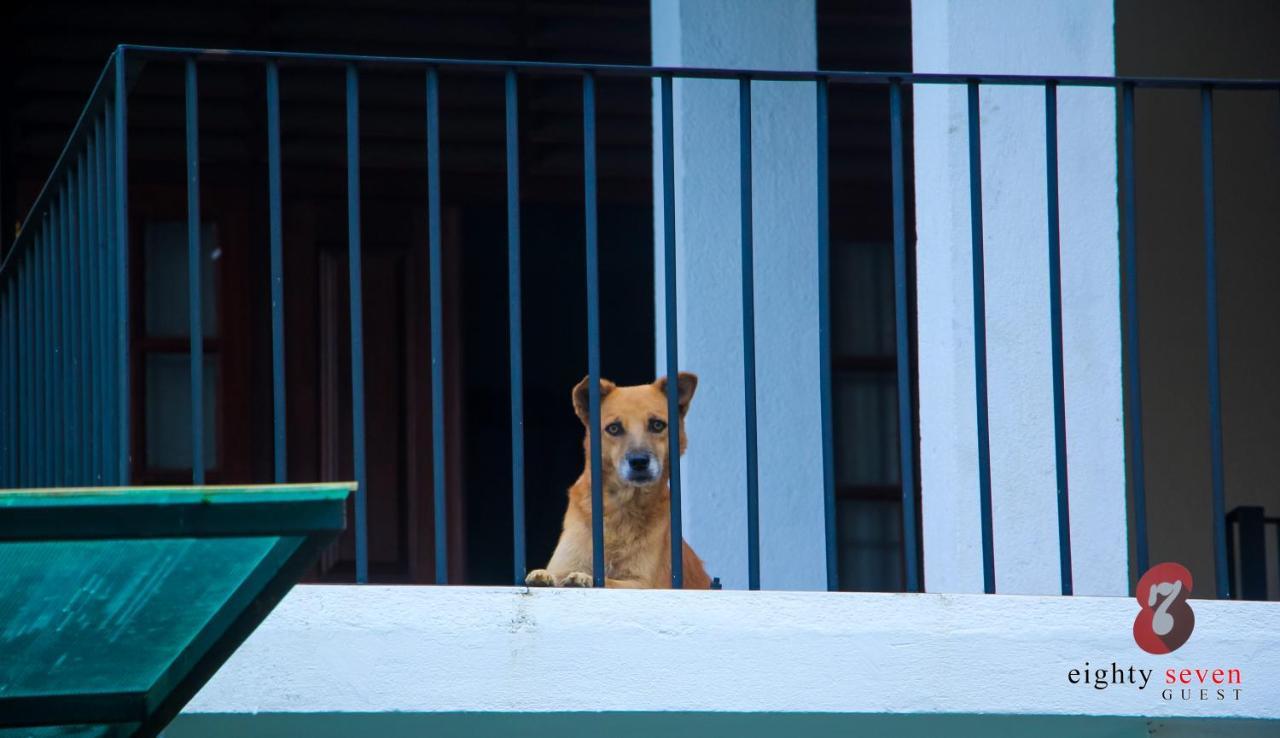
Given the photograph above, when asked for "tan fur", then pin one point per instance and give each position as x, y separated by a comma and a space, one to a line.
637, 525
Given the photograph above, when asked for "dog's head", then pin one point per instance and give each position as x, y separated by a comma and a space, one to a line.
633, 426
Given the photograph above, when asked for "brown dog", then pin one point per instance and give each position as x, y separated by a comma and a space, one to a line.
637, 521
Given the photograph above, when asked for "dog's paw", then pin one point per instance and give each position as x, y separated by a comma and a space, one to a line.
576, 579
540, 578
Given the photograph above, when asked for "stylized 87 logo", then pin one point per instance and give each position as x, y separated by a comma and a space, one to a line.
1166, 620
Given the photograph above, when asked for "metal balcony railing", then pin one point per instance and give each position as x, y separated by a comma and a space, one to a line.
64, 385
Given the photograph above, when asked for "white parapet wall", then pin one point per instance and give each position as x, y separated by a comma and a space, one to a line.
459, 656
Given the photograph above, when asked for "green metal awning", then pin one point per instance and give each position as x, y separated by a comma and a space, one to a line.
118, 604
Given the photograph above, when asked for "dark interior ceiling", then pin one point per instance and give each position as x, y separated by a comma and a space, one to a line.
54, 50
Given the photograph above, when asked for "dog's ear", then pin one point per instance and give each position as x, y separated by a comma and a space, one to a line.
582, 397
686, 383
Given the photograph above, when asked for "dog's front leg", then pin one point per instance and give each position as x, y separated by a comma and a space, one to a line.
570, 565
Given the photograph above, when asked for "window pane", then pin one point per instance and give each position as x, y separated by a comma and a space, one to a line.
166, 279
870, 536
862, 299
866, 425
168, 411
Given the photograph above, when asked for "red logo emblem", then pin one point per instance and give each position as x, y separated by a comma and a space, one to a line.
1165, 621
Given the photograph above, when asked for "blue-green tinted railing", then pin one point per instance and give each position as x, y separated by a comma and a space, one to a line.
64, 300
64, 404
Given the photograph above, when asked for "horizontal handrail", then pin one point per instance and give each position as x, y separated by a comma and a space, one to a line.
639, 70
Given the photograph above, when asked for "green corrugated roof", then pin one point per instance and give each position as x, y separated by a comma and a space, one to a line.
117, 604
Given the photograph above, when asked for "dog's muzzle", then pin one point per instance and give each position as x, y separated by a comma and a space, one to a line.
639, 467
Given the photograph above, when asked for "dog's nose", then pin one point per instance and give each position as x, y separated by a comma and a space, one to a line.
638, 462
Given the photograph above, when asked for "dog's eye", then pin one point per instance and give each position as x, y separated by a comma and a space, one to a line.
614, 428
657, 426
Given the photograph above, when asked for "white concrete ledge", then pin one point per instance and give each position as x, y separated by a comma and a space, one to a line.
373, 649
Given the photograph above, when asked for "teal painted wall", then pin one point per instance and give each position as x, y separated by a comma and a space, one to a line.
698, 725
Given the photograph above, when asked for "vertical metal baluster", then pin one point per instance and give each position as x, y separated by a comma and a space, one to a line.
40, 365
279, 420
45, 337
1055, 329
1132, 346
824, 338
92, 358
18, 296
40, 355
88, 457
88, 359
70, 343
28, 386
195, 324
31, 406
80, 323
673, 359
748, 329
14, 377
105, 362
62, 358
53, 352
18, 347
48, 354
21, 382
1211, 318
906, 419
7, 354
980, 339
9, 300
436, 287
61, 311
68, 306
24, 372
6, 379
514, 335
66, 310
122, 372
598, 565
39, 412
357, 322
53, 349
107, 277
59, 314
34, 408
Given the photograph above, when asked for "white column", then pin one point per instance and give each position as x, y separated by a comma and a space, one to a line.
1031, 37
745, 34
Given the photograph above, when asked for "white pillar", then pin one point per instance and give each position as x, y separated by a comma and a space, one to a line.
1031, 37
745, 34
